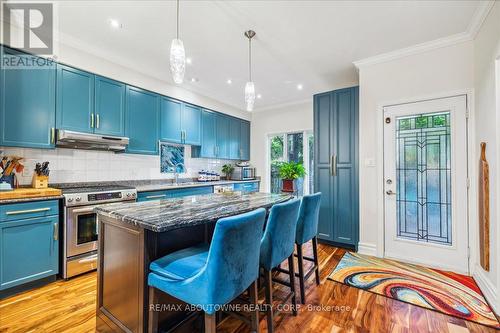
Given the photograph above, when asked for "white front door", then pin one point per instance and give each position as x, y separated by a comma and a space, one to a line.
425, 183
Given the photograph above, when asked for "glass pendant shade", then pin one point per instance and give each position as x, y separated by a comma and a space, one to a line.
250, 95
177, 60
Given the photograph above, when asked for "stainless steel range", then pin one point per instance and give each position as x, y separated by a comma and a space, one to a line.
81, 229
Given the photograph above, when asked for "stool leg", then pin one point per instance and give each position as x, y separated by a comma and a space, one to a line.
300, 259
210, 323
291, 269
269, 300
152, 314
315, 255
254, 301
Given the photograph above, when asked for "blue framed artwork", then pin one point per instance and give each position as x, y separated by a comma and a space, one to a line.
171, 158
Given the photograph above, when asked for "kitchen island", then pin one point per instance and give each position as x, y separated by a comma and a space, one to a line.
131, 235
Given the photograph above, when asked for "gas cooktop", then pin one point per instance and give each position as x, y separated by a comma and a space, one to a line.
94, 188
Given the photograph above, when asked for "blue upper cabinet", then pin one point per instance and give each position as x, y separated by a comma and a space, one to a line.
234, 138
170, 118
109, 107
222, 125
142, 121
75, 100
244, 140
208, 134
27, 104
191, 124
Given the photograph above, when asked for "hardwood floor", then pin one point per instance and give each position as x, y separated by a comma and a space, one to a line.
69, 306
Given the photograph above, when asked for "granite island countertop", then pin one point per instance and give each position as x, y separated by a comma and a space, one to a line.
175, 213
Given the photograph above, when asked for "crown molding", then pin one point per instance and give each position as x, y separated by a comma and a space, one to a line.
477, 21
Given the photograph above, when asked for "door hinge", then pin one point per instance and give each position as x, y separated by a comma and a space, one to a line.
467, 113
468, 252
468, 182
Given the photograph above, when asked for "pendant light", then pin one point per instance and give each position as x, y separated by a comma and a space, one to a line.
177, 55
250, 87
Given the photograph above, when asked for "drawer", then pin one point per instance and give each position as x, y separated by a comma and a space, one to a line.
152, 195
183, 192
247, 187
27, 210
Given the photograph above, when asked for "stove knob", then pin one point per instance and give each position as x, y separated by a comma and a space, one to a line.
78, 198
133, 194
70, 199
129, 195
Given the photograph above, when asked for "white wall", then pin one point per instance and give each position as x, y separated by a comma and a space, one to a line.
405, 79
298, 117
487, 109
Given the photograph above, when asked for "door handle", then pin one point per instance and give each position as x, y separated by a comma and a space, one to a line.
52, 135
156, 196
390, 192
97, 120
91, 120
84, 210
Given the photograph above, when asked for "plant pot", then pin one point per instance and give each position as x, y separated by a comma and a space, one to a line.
288, 185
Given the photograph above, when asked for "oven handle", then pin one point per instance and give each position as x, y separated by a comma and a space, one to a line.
84, 210
88, 259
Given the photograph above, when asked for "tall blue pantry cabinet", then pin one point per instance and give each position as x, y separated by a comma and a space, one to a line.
336, 165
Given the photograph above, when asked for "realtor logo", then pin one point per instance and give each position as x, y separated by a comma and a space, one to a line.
29, 27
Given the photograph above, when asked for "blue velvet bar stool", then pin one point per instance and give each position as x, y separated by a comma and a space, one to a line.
307, 230
276, 246
213, 276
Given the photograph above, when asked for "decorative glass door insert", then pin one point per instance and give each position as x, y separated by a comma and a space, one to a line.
423, 178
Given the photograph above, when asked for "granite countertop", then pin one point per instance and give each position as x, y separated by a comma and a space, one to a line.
171, 186
170, 214
18, 200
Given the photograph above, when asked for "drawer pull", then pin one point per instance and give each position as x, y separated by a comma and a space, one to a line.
156, 196
27, 211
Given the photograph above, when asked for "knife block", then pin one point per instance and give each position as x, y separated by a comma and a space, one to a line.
40, 181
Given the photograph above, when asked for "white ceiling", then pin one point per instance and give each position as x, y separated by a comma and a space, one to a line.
309, 42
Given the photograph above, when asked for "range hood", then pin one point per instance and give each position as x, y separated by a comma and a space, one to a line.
79, 140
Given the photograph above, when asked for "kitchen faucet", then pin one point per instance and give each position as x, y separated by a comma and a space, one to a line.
176, 174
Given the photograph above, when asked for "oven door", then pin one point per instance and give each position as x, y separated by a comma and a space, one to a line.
81, 230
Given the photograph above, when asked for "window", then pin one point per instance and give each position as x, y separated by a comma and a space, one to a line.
287, 147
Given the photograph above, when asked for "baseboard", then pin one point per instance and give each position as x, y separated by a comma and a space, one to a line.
367, 248
488, 289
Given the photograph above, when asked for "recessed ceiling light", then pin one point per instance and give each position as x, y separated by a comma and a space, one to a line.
300, 86
259, 96
115, 24
194, 79
229, 81
189, 61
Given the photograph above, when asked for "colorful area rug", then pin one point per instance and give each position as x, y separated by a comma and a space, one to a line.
450, 293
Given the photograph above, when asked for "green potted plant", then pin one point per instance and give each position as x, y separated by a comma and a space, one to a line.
228, 169
289, 172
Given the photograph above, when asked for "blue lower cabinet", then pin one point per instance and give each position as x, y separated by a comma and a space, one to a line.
142, 121
174, 193
247, 187
29, 247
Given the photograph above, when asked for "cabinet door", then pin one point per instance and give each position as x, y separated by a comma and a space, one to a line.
27, 103
109, 107
245, 140
191, 124
29, 250
208, 134
323, 177
142, 121
234, 139
222, 136
170, 120
75, 100
345, 195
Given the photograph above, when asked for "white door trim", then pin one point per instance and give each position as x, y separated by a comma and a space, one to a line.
472, 156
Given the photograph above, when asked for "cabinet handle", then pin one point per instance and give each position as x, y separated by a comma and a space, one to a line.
91, 120
97, 120
56, 231
156, 196
333, 165
27, 211
52, 135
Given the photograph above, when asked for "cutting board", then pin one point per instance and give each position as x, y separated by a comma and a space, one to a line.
484, 210
22, 193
